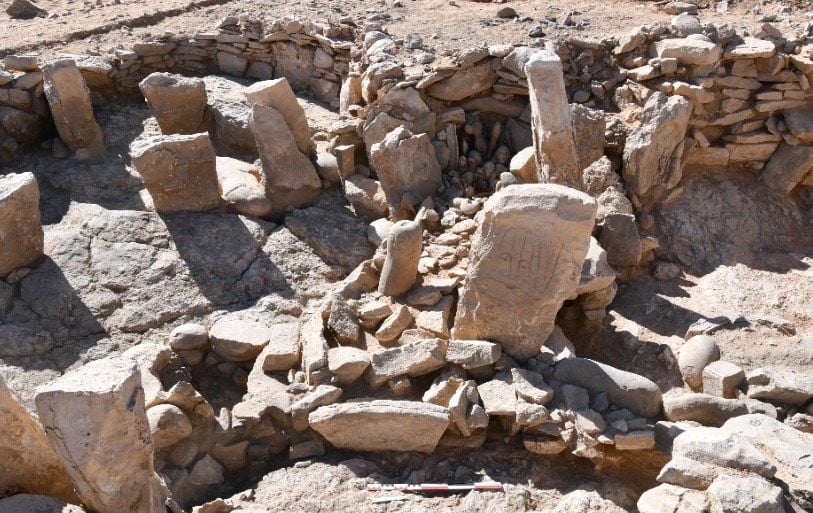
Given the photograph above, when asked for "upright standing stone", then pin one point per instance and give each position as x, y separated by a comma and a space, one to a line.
291, 179
21, 236
178, 103
27, 461
95, 420
179, 171
556, 157
526, 260
404, 245
406, 163
69, 99
278, 95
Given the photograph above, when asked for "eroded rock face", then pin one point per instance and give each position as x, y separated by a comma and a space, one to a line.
69, 99
406, 164
381, 425
179, 171
28, 462
21, 236
654, 150
556, 158
278, 95
291, 179
526, 260
178, 103
96, 421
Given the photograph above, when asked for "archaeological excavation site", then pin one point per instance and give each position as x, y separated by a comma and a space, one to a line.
406, 256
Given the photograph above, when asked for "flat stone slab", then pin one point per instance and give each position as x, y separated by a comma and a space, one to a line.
381, 425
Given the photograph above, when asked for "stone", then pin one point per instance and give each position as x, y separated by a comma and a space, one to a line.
394, 325
25, 503
526, 254
282, 352
327, 167
583, 501
620, 238
231, 64
95, 419
544, 446
436, 319
787, 167
179, 171
406, 164
347, 364
551, 123
367, 196
788, 449
321, 395
471, 354
706, 409
667, 498
799, 123
530, 386
753, 494
381, 425
722, 379
575, 398
168, 425
635, 441
624, 389
693, 357
464, 83
696, 52
404, 246
239, 340
242, 187
523, 165
206, 472
178, 103
25, 10
20, 224
69, 99
278, 95
714, 446
189, 337
499, 396
780, 384
596, 272
654, 149
29, 463
291, 180
411, 359
589, 126
686, 472
750, 48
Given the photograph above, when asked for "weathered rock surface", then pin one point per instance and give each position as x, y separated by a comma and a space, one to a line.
69, 99
239, 340
412, 359
24, 503
95, 420
730, 494
29, 463
278, 95
723, 449
381, 425
406, 164
25, 10
625, 389
703, 408
242, 187
556, 157
179, 171
20, 225
693, 357
178, 103
780, 384
654, 150
404, 245
291, 180
530, 246
788, 166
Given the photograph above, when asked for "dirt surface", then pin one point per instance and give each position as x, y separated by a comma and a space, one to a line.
90, 27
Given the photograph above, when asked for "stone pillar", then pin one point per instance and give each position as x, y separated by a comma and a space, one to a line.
95, 419
278, 95
179, 171
291, 180
406, 163
404, 246
178, 103
27, 461
552, 127
69, 99
21, 236
526, 260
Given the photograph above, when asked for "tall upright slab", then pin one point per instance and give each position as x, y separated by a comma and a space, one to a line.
69, 99
21, 236
96, 421
552, 127
526, 260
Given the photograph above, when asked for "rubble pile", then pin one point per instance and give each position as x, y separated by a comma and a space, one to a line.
502, 203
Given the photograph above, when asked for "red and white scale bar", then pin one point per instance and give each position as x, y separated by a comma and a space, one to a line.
436, 487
